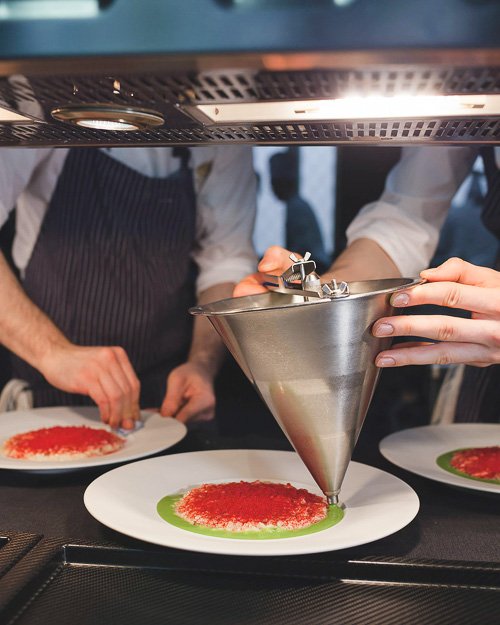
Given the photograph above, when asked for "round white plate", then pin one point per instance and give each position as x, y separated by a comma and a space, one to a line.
157, 434
416, 450
125, 499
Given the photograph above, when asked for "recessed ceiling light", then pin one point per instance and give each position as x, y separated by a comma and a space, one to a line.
104, 117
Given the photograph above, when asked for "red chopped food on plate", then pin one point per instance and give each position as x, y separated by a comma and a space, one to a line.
478, 462
62, 443
251, 506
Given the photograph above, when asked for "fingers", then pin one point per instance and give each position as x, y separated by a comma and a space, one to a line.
275, 260
190, 396
249, 286
184, 409
174, 397
441, 328
98, 395
434, 353
106, 375
121, 387
103, 373
196, 409
114, 397
456, 284
452, 295
131, 387
458, 270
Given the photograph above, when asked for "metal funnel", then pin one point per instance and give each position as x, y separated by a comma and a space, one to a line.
313, 364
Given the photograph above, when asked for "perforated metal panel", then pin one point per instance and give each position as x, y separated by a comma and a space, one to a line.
172, 94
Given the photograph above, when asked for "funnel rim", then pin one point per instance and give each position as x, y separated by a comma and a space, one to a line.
202, 310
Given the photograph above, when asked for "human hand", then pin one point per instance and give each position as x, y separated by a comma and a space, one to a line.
190, 394
103, 373
275, 261
474, 341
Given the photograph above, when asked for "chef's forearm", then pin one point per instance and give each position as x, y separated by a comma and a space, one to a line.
207, 348
363, 260
24, 328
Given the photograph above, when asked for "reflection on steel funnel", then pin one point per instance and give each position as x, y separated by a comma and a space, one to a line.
312, 362
311, 419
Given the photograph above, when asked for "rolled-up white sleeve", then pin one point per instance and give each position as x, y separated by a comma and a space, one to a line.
226, 206
16, 168
406, 220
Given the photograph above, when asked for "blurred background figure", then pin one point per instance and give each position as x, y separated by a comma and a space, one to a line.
111, 247
302, 231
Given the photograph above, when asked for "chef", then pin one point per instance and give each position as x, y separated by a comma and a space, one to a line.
112, 246
397, 236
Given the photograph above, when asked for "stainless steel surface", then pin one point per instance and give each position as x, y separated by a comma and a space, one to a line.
312, 362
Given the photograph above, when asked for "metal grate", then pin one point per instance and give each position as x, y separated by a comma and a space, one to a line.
399, 132
38, 96
139, 90
383, 81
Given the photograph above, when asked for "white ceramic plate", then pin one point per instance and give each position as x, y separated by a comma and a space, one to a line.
416, 450
157, 434
125, 499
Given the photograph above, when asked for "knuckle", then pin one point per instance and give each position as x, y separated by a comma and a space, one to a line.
496, 337
101, 400
444, 358
119, 351
455, 264
107, 354
115, 396
446, 333
88, 377
408, 329
452, 297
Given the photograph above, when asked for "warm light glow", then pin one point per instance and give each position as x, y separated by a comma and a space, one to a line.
9, 116
355, 107
106, 117
106, 124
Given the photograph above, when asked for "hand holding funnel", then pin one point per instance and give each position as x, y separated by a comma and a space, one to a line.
307, 348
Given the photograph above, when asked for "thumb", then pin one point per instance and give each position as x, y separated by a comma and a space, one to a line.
275, 259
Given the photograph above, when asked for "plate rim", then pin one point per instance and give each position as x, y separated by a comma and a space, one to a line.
272, 547
63, 466
442, 476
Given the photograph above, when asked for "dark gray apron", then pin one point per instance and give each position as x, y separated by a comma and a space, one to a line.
479, 396
112, 266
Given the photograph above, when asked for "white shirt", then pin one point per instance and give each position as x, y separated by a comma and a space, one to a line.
406, 220
225, 201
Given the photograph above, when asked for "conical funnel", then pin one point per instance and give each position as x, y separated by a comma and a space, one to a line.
313, 364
